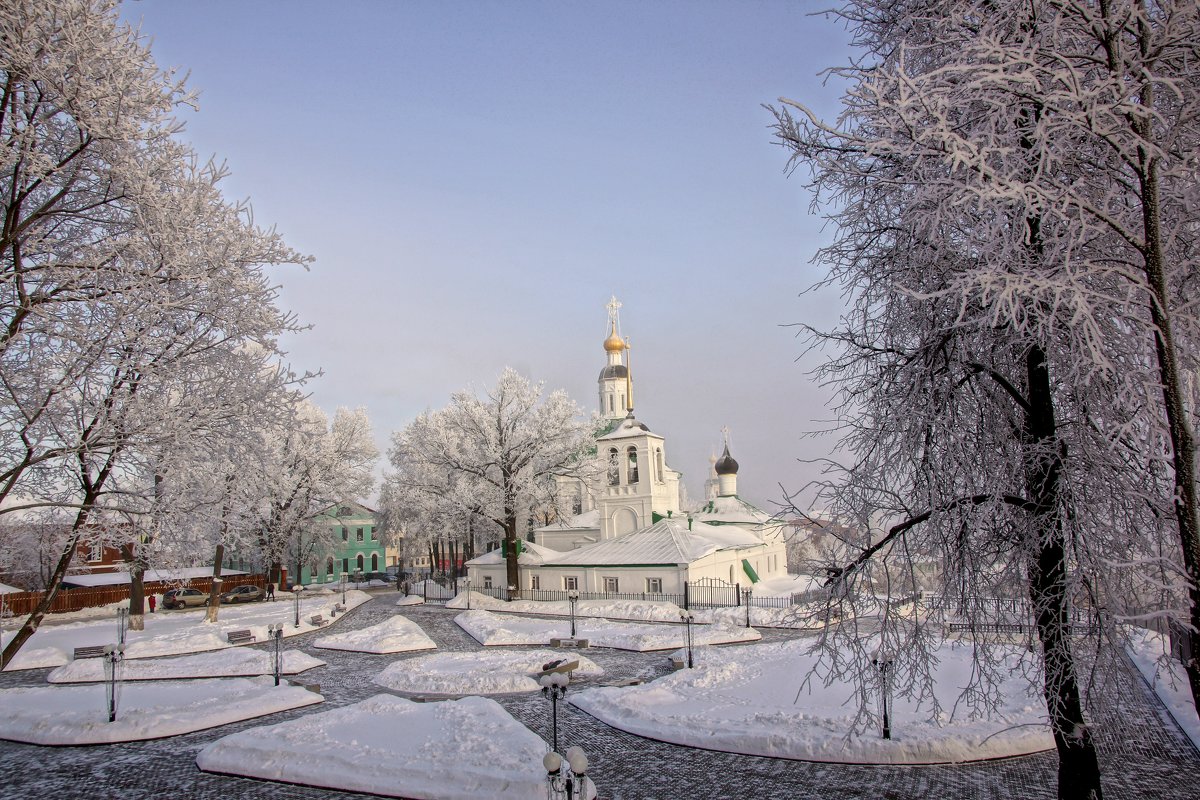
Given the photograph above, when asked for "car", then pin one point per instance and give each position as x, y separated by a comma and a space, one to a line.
242, 594
184, 598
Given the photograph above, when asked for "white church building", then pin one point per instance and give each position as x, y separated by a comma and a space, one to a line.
629, 534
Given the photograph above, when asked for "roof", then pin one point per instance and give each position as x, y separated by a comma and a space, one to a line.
588, 520
532, 554
614, 371
665, 542
6, 589
731, 510
626, 428
150, 575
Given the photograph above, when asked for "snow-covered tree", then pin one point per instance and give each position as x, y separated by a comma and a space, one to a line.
132, 295
1014, 188
494, 459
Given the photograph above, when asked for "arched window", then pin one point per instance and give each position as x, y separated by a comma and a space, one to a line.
359, 562
329, 566
374, 562
614, 468
577, 502
658, 463
633, 468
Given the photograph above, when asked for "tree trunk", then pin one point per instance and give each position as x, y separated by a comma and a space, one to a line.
137, 588
1078, 765
30, 626
214, 593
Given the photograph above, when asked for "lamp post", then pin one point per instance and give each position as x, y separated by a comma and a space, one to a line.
883, 660
296, 604
113, 655
569, 780
573, 598
343, 582
276, 633
688, 618
554, 686
468, 593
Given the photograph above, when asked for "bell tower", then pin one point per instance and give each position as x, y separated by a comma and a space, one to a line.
615, 383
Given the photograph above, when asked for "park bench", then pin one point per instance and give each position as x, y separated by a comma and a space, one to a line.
94, 651
240, 637
339, 608
318, 620
580, 644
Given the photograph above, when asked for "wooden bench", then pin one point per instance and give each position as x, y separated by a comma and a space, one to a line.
339, 608
677, 662
94, 651
580, 644
318, 620
240, 637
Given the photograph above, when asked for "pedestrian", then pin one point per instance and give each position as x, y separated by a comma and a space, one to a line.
270, 591
153, 602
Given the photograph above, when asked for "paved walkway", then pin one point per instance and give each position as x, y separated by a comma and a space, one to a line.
1143, 753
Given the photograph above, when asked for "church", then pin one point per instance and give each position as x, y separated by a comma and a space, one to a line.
629, 533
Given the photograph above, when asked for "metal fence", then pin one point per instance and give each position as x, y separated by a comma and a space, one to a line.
697, 594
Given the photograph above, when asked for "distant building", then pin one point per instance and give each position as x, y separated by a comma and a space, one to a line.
356, 550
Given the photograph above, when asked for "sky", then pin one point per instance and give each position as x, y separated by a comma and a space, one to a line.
474, 180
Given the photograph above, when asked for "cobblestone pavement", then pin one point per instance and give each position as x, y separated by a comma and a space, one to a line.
1143, 753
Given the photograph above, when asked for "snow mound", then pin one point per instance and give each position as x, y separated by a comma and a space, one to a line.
751, 700
477, 673
229, 663
395, 635
454, 750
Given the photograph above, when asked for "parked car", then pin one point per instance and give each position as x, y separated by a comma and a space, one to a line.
184, 598
378, 576
242, 594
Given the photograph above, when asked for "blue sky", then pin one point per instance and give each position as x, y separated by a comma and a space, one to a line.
476, 179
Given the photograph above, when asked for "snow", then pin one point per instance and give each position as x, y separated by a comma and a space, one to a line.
396, 635
496, 672
171, 633
641, 610
411, 600
452, 750
491, 629
786, 585
219, 664
118, 578
1167, 677
751, 700
76, 715
6, 589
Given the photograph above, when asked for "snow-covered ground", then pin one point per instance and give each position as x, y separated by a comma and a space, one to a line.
453, 750
396, 635
231, 663
74, 715
637, 610
750, 700
786, 586
171, 633
411, 600
1168, 678
494, 629
458, 674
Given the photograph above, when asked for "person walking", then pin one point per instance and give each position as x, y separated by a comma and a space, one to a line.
270, 591
153, 600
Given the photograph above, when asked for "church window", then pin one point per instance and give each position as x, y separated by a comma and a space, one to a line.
614, 470
622, 401
610, 585
610, 404
658, 463
633, 467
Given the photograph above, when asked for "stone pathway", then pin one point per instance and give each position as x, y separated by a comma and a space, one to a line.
1143, 753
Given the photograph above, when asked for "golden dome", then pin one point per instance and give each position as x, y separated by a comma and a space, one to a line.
614, 343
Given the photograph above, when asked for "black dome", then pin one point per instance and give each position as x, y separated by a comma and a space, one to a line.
614, 371
725, 464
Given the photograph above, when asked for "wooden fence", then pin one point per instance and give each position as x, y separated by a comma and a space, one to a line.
21, 603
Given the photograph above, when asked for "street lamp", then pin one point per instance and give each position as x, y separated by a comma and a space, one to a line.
343, 582
113, 655
883, 661
569, 780
688, 618
554, 686
573, 598
276, 633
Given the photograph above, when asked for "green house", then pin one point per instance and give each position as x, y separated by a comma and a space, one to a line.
357, 547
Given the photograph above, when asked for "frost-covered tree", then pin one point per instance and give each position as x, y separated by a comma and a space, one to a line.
493, 459
132, 295
307, 465
1015, 186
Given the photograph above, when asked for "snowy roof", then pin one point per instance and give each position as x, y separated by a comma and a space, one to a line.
532, 554
665, 542
6, 589
731, 509
587, 520
626, 428
118, 578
